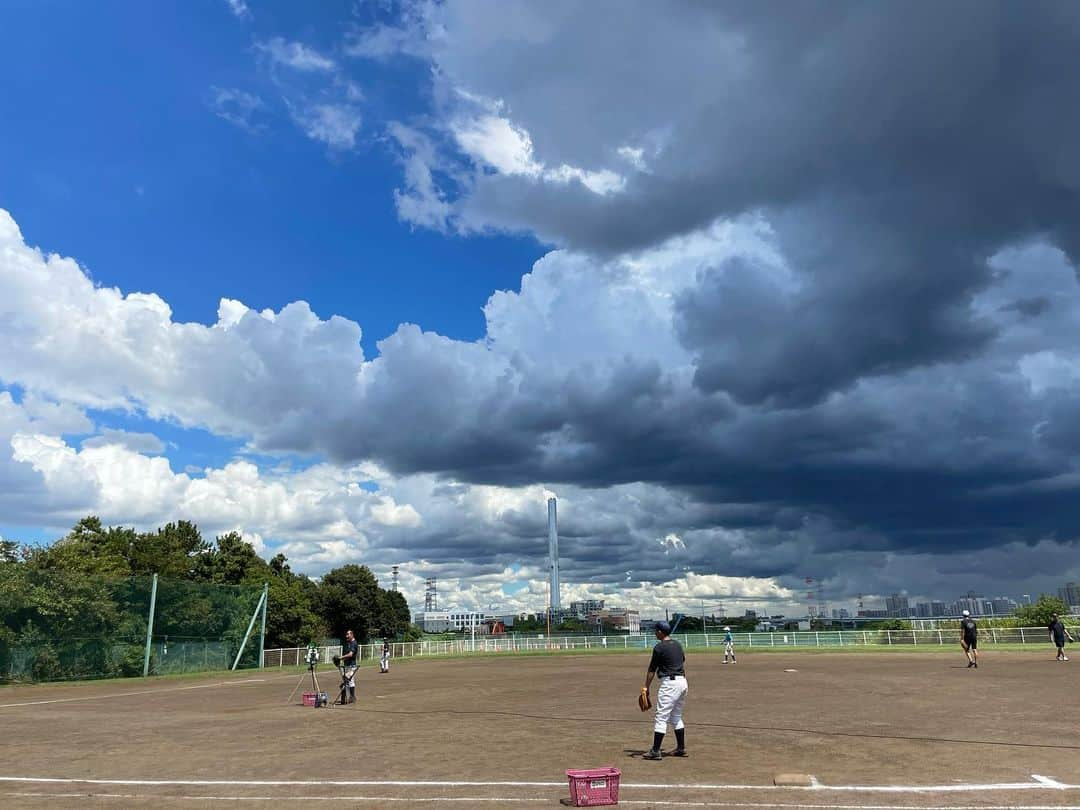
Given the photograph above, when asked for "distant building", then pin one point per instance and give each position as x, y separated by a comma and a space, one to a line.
896, 606
432, 621
622, 619
586, 606
872, 613
1002, 606
441, 621
841, 613
1070, 595
750, 614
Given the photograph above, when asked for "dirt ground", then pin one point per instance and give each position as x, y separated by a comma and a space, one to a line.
873, 730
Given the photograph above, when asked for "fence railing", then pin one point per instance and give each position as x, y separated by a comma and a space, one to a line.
484, 645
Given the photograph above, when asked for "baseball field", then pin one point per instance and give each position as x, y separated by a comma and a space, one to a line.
865, 730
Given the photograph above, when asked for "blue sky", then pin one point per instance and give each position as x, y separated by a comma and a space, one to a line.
115, 156
756, 298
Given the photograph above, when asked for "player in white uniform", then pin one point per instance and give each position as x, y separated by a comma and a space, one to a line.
668, 665
384, 662
729, 645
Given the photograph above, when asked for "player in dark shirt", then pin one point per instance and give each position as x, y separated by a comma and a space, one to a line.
350, 660
969, 639
1058, 635
668, 664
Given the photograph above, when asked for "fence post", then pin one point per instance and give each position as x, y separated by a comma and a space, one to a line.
939, 641
1022, 636
250, 627
817, 639
993, 634
915, 637
888, 635
150, 627
262, 631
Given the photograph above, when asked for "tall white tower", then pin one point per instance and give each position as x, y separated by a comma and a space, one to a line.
553, 554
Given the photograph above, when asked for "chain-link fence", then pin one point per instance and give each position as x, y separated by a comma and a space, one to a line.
59, 625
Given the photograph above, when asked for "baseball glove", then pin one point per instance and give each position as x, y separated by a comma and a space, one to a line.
644, 702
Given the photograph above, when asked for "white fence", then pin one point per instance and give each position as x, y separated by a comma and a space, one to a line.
294, 656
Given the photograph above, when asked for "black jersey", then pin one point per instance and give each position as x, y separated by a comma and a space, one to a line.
970, 630
1057, 627
354, 648
668, 659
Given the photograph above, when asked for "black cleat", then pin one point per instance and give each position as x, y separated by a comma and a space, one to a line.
652, 753
971, 664
678, 752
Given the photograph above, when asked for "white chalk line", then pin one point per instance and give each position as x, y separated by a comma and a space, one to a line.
519, 800
350, 799
131, 694
1037, 783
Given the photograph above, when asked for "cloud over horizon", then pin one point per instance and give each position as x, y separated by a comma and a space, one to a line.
810, 309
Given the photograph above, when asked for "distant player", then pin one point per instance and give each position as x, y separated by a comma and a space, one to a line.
969, 639
384, 662
729, 645
668, 664
350, 660
1058, 634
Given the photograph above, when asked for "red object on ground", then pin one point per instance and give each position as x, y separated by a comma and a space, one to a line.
310, 698
594, 787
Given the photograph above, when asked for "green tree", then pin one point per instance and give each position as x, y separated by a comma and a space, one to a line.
89, 548
171, 552
1038, 613
291, 620
348, 599
231, 560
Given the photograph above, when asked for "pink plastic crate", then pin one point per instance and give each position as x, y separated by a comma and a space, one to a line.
594, 787
314, 699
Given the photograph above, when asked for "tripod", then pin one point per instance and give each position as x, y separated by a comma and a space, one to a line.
314, 683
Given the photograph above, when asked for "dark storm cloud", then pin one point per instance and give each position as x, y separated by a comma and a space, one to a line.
892, 147
893, 150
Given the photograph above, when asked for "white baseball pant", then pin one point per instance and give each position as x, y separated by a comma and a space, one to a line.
670, 700
350, 674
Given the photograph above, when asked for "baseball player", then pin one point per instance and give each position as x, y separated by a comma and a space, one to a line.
384, 662
668, 664
729, 645
1058, 634
969, 639
350, 659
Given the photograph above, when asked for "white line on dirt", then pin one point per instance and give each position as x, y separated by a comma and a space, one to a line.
520, 800
1041, 783
130, 694
350, 799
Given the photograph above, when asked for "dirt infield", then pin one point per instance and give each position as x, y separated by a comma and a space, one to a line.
874, 731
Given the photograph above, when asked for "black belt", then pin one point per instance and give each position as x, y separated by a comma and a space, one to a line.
671, 677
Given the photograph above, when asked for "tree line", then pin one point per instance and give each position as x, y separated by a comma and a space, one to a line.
91, 588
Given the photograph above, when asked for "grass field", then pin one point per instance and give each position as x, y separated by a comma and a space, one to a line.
874, 730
